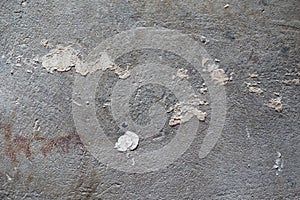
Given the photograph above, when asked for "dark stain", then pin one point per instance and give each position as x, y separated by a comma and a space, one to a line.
30, 178
21, 144
230, 36
9, 151
253, 57
263, 3
284, 52
47, 147
15, 143
63, 144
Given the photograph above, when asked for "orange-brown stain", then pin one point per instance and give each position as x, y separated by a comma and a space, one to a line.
63, 144
22, 144
9, 151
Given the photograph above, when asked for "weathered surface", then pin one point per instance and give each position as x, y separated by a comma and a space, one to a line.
247, 37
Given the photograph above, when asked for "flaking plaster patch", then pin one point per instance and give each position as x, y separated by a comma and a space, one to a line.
219, 76
121, 73
61, 59
64, 58
276, 104
184, 111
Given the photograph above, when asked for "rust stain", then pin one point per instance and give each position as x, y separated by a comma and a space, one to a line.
63, 144
10, 152
47, 147
22, 144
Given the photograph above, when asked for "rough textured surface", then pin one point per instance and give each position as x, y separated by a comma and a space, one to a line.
41, 154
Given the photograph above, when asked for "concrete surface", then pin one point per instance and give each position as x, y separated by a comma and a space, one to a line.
41, 155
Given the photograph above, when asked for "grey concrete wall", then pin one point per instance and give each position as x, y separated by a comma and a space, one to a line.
43, 155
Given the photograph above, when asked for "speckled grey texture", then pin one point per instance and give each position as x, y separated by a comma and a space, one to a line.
249, 36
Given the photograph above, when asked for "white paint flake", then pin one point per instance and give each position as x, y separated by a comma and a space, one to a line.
248, 132
128, 141
278, 166
182, 74
253, 75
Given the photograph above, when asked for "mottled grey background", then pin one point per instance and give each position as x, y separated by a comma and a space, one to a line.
249, 36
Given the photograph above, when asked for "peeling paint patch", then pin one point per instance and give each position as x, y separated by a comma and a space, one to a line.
104, 63
184, 111
62, 59
121, 73
219, 76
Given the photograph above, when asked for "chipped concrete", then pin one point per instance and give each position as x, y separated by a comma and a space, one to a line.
253, 75
204, 40
276, 104
203, 90
278, 166
293, 74
182, 74
256, 90
292, 81
253, 86
44, 42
